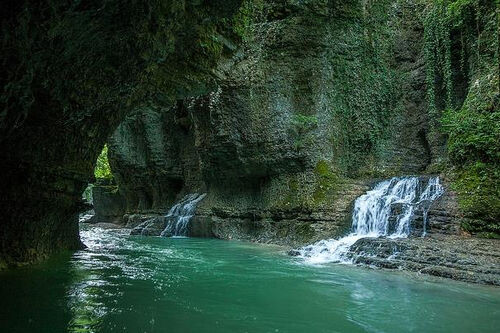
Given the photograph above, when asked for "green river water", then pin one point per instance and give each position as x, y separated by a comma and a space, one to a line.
149, 284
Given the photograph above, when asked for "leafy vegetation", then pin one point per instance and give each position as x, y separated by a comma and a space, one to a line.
461, 45
364, 90
102, 168
87, 193
473, 136
250, 12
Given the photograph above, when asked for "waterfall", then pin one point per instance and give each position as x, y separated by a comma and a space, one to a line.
374, 216
433, 191
180, 214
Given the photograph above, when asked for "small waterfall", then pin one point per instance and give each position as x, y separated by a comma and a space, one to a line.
373, 216
433, 191
180, 214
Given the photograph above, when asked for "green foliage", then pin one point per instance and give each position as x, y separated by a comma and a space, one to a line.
251, 11
364, 90
87, 193
461, 41
474, 150
102, 168
473, 136
303, 124
437, 48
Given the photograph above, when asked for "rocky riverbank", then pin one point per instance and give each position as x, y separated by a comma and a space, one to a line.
456, 257
445, 251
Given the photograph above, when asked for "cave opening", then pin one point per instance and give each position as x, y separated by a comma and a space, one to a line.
258, 121
104, 181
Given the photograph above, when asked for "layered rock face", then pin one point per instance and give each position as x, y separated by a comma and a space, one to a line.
322, 99
472, 260
109, 206
71, 72
153, 158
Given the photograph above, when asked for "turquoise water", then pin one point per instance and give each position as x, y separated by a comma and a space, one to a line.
144, 284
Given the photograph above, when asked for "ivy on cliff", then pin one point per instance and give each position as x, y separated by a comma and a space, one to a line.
363, 110
462, 59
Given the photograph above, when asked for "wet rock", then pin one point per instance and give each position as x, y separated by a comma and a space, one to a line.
104, 225
134, 220
151, 227
87, 217
109, 204
271, 145
465, 259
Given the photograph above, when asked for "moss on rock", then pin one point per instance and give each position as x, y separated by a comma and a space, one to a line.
462, 49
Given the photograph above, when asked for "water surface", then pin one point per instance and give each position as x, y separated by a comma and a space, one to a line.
149, 284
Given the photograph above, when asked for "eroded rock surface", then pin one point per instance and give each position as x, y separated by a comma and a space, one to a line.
306, 115
460, 258
321, 101
71, 72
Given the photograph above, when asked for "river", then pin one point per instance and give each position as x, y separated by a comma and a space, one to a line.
124, 283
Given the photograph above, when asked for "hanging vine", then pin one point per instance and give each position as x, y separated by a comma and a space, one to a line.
444, 20
461, 51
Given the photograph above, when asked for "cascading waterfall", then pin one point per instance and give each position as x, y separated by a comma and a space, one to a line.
433, 191
373, 216
180, 214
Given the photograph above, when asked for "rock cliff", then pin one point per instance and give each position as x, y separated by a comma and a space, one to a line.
282, 111
321, 100
71, 71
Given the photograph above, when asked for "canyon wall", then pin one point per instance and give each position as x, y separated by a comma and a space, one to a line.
283, 111
321, 101
70, 73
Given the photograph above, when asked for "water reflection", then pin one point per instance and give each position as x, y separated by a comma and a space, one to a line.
147, 284
110, 264
92, 282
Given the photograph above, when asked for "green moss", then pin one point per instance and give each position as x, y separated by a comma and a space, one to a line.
87, 193
489, 235
478, 189
251, 11
309, 191
326, 182
461, 46
292, 196
364, 91
473, 135
211, 42
302, 126
304, 231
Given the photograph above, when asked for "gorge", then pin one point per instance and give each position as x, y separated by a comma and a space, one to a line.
363, 132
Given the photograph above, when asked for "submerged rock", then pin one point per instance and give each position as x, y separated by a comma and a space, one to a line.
87, 217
